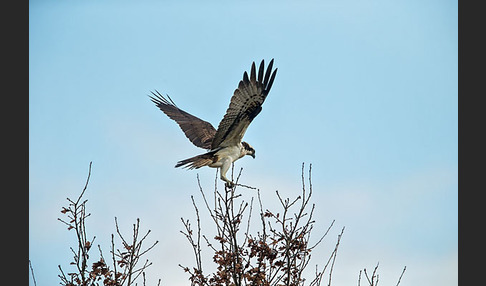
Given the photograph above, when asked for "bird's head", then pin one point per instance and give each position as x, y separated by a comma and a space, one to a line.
248, 149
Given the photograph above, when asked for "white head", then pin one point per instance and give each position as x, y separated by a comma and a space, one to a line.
248, 149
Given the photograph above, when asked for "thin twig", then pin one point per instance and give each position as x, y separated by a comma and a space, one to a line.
399, 279
32, 271
245, 186
335, 254
87, 181
322, 237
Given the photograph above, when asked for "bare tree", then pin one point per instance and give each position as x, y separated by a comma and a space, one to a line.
125, 269
277, 254
374, 278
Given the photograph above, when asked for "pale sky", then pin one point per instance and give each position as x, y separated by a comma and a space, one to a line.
366, 91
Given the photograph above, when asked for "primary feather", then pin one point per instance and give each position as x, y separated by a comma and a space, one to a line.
245, 105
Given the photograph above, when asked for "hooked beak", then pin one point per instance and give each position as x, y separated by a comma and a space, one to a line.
253, 155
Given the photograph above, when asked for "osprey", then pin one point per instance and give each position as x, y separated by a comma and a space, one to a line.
223, 145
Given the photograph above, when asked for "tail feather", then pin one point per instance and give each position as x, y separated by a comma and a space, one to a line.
197, 162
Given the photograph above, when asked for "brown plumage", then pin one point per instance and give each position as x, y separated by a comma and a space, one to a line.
198, 161
224, 144
198, 131
246, 104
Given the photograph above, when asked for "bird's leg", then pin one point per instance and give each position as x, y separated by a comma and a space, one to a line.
224, 168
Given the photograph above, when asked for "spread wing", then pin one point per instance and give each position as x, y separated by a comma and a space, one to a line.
245, 105
198, 131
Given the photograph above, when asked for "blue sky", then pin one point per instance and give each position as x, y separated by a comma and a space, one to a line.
366, 91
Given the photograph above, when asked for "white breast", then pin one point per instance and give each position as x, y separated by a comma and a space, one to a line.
233, 152
227, 155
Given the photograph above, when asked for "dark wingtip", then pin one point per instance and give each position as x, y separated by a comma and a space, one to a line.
155, 98
253, 72
271, 80
260, 71
159, 99
245, 77
267, 75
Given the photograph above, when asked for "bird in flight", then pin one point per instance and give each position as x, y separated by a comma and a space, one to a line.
224, 145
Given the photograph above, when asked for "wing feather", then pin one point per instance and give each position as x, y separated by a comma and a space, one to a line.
198, 131
260, 73
245, 105
253, 73
267, 74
